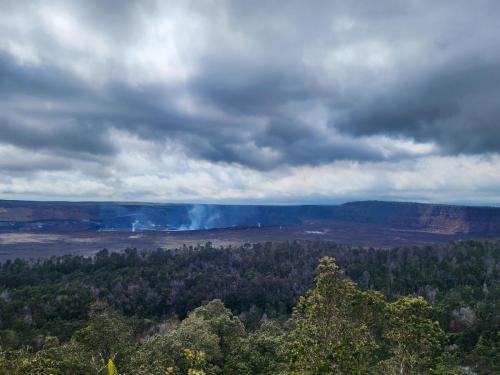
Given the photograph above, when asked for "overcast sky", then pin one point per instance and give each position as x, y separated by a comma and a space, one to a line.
249, 101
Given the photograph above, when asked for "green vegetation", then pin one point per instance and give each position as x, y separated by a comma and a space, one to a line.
255, 310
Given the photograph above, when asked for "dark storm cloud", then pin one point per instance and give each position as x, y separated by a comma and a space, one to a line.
21, 166
456, 106
38, 82
424, 72
239, 87
68, 137
37, 126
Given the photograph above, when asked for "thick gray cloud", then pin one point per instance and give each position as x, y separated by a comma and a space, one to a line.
458, 107
260, 85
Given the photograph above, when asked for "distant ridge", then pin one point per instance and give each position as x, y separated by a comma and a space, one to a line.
37, 216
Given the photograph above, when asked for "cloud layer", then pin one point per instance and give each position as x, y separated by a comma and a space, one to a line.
250, 101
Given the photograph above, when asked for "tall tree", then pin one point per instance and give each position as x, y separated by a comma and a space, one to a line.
417, 339
329, 335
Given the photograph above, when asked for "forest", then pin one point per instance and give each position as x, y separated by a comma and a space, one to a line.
265, 308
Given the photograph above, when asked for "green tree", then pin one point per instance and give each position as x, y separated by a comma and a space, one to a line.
416, 338
203, 341
485, 357
261, 352
108, 336
329, 335
158, 355
213, 319
65, 359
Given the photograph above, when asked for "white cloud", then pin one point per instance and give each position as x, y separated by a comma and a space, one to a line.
146, 170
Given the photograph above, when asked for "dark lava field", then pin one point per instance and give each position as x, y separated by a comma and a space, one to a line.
43, 229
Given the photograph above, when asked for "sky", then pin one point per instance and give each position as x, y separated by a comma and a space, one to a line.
250, 101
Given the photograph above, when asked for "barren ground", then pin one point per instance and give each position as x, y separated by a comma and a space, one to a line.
36, 245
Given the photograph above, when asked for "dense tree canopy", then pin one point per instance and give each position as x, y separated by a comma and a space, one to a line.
206, 310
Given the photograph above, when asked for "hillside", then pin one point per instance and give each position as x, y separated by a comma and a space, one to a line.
112, 216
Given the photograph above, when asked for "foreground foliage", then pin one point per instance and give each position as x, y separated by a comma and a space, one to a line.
335, 329
448, 322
